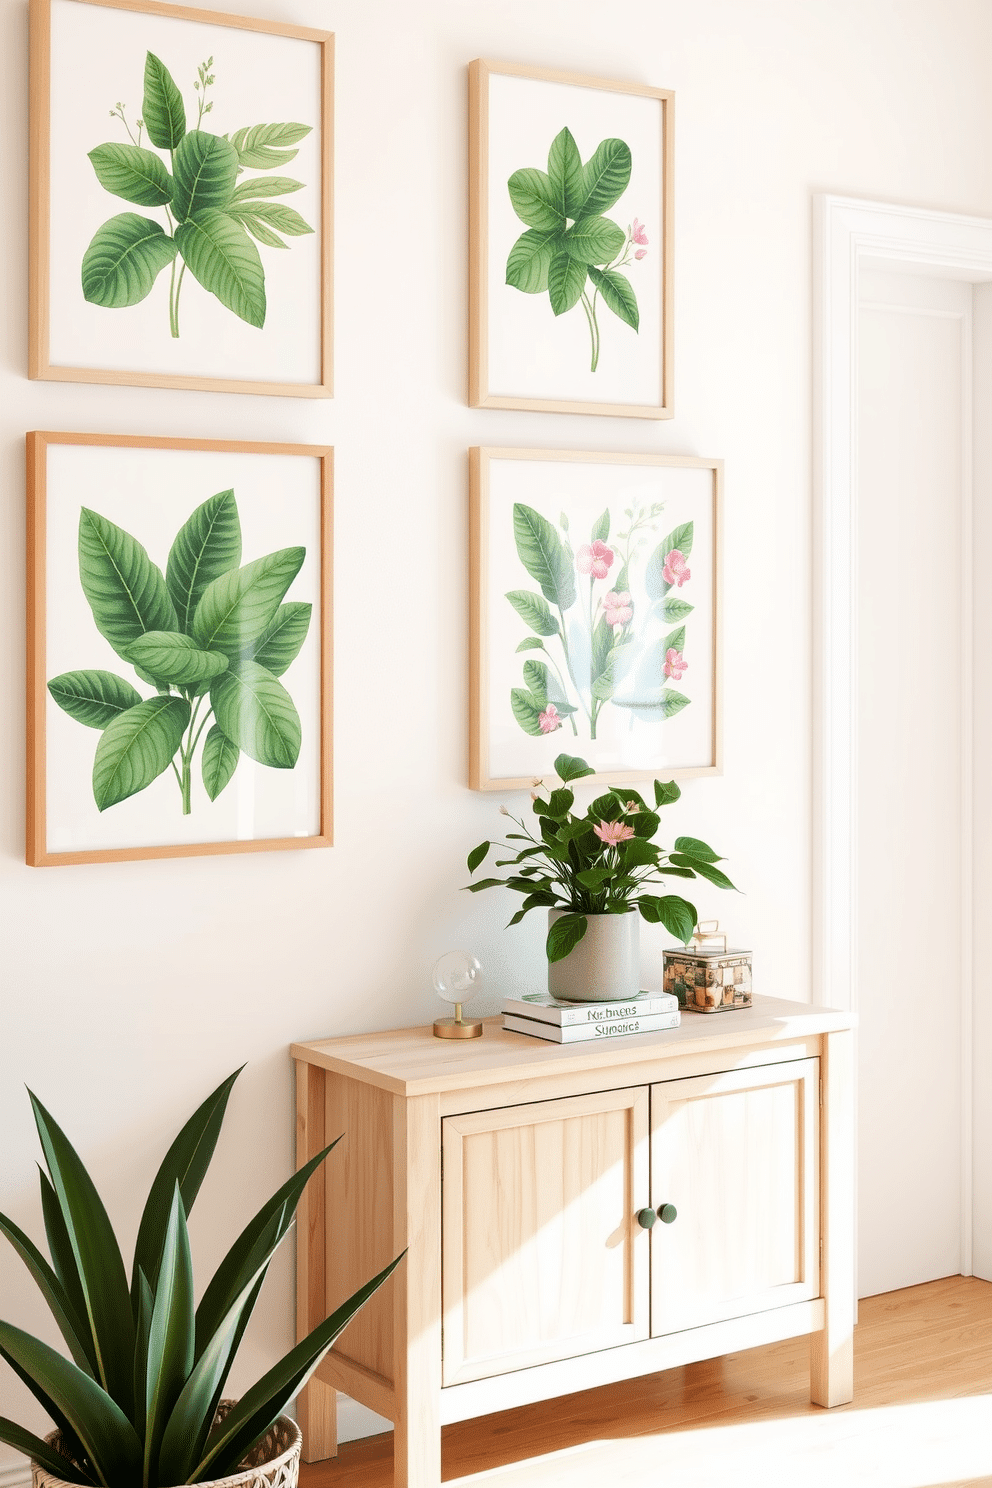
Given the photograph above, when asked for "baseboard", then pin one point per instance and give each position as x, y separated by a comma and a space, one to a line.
354, 1421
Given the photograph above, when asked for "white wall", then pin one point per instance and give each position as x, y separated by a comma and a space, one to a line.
128, 991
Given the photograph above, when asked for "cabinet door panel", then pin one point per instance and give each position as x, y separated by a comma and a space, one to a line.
543, 1257
737, 1154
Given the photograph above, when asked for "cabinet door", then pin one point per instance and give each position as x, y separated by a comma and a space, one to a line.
738, 1156
543, 1257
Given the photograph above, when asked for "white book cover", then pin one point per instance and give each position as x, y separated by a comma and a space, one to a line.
548, 1009
581, 1032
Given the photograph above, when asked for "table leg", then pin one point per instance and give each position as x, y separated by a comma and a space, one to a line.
832, 1350
417, 1280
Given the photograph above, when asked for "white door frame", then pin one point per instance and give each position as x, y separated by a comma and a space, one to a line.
846, 233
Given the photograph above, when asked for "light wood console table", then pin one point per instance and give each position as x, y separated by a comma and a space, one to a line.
522, 1177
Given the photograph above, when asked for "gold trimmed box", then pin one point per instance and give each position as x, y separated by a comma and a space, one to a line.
709, 981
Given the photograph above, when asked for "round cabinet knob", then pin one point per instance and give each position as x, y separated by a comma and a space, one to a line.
668, 1213
646, 1218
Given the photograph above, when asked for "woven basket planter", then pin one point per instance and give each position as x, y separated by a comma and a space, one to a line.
274, 1463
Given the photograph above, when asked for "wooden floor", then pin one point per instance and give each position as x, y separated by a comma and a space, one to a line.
921, 1417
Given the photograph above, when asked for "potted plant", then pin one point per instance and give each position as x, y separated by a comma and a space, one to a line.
139, 1404
593, 874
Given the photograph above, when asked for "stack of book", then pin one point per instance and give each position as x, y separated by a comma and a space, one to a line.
547, 1017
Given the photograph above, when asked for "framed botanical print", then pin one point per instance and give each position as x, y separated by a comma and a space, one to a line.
595, 614
179, 647
570, 225
180, 199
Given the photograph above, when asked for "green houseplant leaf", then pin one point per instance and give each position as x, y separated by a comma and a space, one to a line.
257, 714
39, 1451
170, 657
281, 642
123, 260
544, 556
564, 935
92, 697
169, 1357
206, 546
136, 747
262, 146
224, 260
618, 294
74, 1329
124, 588
218, 761
162, 106
135, 174
236, 609
206, 168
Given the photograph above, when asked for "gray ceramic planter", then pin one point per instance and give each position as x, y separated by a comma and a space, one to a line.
605, 966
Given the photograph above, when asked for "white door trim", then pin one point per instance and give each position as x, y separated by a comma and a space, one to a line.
846, 233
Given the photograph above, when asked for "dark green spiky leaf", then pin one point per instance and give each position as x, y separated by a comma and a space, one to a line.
170, 1334
185, 1163
280, 645
679, 538
618, 294
136, 175
665, 792
570, 767
162, 107
533, 200
136, 747
545, 557
93, 697
206, 169
605, 177
142, 1327
263, 146
74, 1329
478, 855
124, 258
206, 546
238, 607
564, 935
593, 240
60, 1250
124, 588
529, 260
257, 714
566, 281
568, 188
39, 1451
218, 761
265, 186
222, 257
533, 610
100, 1268
170, 657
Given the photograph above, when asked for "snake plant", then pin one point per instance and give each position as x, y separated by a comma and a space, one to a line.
137, 1401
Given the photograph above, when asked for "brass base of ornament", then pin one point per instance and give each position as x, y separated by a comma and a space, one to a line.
459, 1028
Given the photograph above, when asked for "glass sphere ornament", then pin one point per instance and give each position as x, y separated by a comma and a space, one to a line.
457, 978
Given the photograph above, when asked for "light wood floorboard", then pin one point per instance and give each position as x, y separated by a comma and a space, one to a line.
921, 1417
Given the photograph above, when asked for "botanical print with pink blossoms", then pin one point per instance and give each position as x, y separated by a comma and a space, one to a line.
607, 633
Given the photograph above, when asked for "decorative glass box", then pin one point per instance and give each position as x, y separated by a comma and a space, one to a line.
706, 979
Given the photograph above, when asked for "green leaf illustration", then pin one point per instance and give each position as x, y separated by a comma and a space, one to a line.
531, 643
206, 168
136, 747
219, 762
605, 177
533, 200
534, 611
529, 260
123, 261
237, 609
618, 294
222, 257
162, 107
654, 573
674, 641
565, 174
664, 701
174, 658
206, 546
257, 714
281, 643
261, 186
124, 588
262, 146
135, 174
544, 556
566, 281
594, 240
601, 531
526, 710
672, 608
275, 214
92, 697
545, 687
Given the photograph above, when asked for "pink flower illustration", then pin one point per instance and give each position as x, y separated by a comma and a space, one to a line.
618, 608
675, 664
549, 720
639, 235
676, 570
596, 559
613, 833
641, 253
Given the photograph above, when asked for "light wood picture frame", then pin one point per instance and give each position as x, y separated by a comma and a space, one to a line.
179, 662
594, 615
571, 294
154, 231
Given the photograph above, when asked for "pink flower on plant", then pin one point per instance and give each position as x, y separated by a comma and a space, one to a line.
675, 664
613, 833
618, 608
641, 253
549, 720
639, 235
676, 570
595, 559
